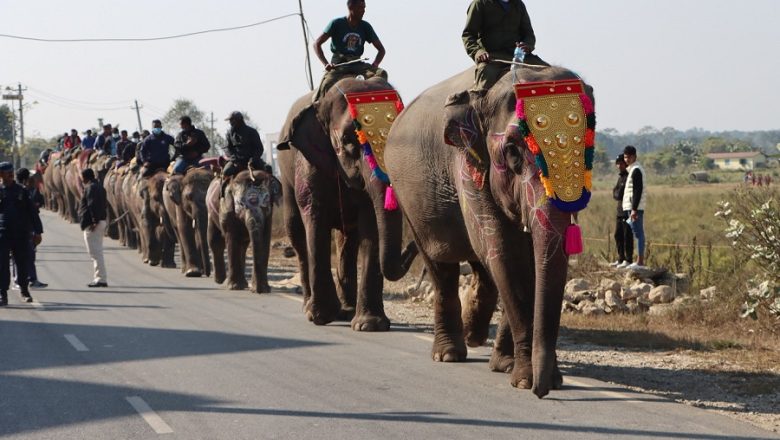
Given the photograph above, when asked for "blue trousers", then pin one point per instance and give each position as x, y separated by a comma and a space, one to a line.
181, 165
638, 228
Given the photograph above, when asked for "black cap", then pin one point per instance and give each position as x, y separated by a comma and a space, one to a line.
235, 115
6, 166
620, 159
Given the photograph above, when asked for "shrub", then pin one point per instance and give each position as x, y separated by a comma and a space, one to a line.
753, 225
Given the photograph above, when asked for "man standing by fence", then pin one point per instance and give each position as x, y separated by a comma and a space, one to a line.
624, 237
634, 202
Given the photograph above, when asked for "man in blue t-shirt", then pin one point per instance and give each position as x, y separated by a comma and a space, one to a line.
348, 37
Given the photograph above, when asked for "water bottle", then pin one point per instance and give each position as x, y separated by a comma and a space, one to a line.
519, 57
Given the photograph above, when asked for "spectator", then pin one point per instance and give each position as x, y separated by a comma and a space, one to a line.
92, 216
634, 202
624, 237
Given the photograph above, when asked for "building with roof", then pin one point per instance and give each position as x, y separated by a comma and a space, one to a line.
745, 160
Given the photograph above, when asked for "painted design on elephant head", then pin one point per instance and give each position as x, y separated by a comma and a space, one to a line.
487, 226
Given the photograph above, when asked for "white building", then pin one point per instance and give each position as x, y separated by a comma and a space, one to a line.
747, 160
270, 143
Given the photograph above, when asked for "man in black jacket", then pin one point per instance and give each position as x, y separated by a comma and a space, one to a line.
23, 179
624, 237
244, 147
190, 145
18, 221
92, 216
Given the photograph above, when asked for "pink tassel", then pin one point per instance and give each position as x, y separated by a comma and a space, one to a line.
587, 104
573, 241
391, 203
520, 109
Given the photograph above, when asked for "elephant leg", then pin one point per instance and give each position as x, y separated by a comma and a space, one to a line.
237, 244
370, 312
503, 357
186, 236
296, 232
217, 245
201, 240
167, 259
260, 240
479, 306
324, 306
512, 272
448, 342
347, 246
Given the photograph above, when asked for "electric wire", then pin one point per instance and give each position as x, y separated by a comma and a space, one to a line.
76, 101
146, 39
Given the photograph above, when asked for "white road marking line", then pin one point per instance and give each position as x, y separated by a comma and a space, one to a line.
292, 297
74, 341
150, 417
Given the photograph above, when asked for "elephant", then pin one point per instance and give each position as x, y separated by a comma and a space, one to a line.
327, 186
240, 218
156, 222
185, 202
113, 184
470, 189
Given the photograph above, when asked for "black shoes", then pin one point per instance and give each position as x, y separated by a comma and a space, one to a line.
3, 299
26, 297
38, 285
97, 284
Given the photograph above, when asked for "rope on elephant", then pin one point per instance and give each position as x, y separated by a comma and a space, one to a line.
113, 222
669, 245
515, 63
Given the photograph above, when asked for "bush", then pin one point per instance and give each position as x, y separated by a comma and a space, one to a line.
753, 225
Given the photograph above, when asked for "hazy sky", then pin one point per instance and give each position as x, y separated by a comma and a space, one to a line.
684, 63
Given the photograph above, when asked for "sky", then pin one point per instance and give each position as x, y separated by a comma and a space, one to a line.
710, 64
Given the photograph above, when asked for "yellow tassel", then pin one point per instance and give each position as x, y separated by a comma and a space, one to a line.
548, 189
588, 180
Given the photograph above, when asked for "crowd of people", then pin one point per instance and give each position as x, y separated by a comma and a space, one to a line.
757, 179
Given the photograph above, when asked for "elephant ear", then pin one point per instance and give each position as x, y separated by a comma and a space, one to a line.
463, 130
307, 134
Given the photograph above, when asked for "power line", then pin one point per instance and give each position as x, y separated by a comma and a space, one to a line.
167, 37
73, 106
76, 101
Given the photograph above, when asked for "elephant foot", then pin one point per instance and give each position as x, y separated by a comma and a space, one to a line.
346, 314
322, 314
501, 363
370, 323
237, 285
264, 288
448, 348
522, 377
193, 273
219, 279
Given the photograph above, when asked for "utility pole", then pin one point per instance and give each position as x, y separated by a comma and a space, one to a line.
306, 45
213, 133
15, 157
138, 114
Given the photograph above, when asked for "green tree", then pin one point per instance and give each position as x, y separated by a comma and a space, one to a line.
6, 130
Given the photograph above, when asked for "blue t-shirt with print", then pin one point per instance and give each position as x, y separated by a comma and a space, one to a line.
348, 41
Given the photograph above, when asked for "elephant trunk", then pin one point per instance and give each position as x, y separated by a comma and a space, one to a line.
551, 263
201, 238
394, 262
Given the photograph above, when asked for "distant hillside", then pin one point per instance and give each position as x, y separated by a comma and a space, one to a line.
651, 139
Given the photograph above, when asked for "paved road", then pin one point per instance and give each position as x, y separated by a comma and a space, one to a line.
159, 355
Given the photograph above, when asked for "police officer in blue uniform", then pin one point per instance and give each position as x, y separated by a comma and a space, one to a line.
18, 220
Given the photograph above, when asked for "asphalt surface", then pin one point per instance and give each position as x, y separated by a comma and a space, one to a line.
160, 355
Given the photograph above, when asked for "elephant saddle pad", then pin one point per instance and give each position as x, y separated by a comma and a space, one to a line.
374, 114
555, 120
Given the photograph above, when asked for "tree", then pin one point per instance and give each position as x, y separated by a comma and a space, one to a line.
6, 130
185, 107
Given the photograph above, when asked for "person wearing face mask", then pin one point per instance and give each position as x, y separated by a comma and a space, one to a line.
116, 137
155, 150
105, 143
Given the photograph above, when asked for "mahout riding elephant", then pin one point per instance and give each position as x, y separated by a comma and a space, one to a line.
185, 202
327, 186
470, 188
238, 219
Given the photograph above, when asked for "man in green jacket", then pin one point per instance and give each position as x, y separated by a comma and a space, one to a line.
494, 28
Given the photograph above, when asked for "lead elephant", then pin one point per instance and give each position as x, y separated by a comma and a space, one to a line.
185, 203
238, 219
327, 186
471, 199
